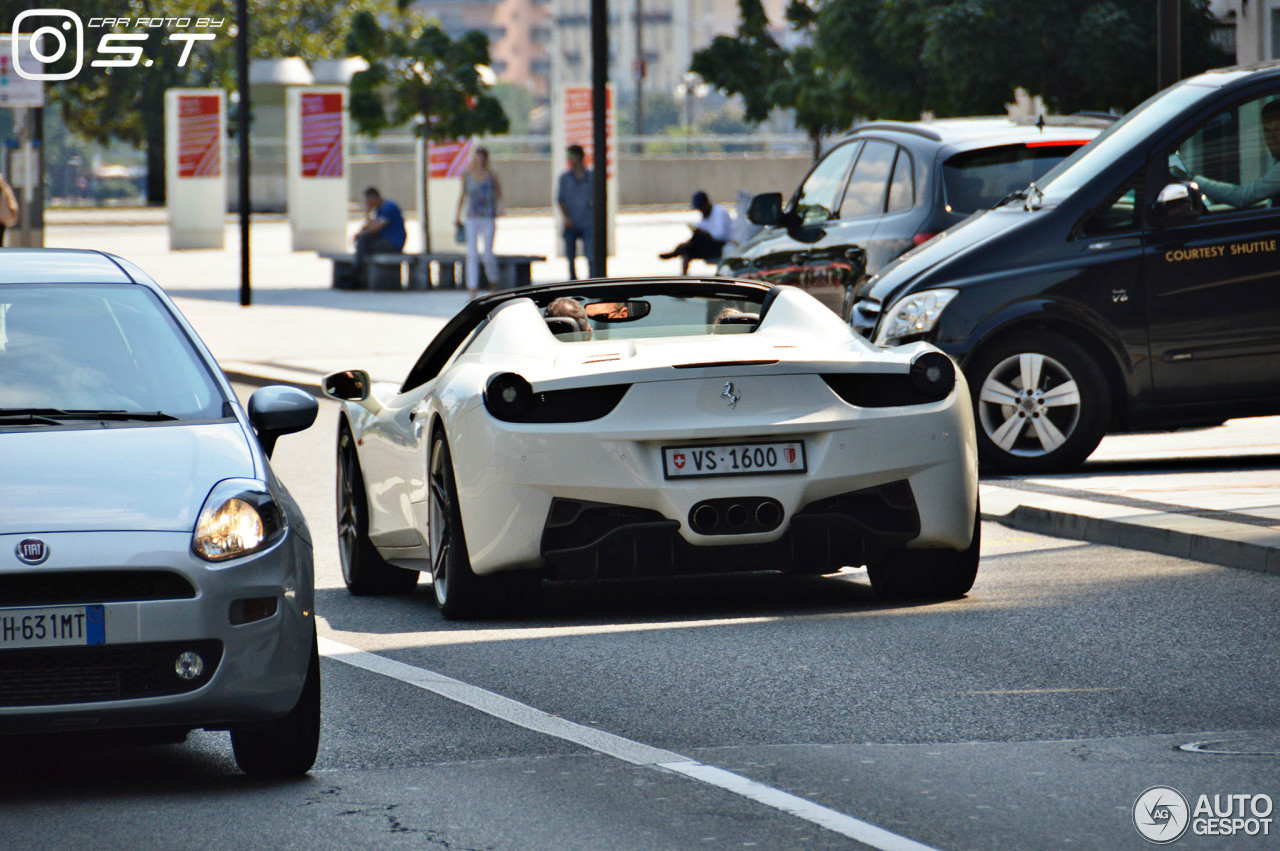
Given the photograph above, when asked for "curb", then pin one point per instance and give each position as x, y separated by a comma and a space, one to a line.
1225, 552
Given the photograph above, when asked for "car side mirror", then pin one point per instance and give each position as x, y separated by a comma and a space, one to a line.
280, 410
765, 209
1177, 204
350, 385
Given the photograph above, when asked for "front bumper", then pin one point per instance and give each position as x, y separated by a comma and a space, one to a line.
509, 474
158, 600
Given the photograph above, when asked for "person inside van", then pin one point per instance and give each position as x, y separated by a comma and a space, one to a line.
1267, 186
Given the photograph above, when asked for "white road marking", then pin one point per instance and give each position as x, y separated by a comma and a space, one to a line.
636, 753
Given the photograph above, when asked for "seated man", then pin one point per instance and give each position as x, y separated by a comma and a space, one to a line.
572, 309
1267, 186
382, 233
709, 235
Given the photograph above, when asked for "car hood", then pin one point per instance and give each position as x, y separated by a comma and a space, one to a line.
122, 478
936, 258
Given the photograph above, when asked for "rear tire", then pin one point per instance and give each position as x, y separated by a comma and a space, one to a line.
365, 572
928, 574
456, 588
1041, 402
459, 593
285, 747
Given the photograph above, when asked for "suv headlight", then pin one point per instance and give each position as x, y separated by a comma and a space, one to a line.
239, 517
913, 316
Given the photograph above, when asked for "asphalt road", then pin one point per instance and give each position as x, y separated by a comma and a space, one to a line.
757, 711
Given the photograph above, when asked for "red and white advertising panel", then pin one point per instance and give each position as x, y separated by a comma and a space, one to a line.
199, 136
321, 134
450, 159
578, 125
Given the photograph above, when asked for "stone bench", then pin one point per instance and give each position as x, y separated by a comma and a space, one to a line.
387, 271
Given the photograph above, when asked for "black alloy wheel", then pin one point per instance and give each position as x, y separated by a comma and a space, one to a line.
457, 589
365, 572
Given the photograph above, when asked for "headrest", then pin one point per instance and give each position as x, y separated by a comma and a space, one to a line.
740, 319
562, 325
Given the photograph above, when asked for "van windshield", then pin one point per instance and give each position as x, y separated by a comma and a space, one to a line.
1062, 181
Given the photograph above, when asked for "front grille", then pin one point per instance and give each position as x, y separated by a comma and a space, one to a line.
62, 675
69, 587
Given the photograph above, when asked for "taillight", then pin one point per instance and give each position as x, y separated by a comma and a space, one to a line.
921, 238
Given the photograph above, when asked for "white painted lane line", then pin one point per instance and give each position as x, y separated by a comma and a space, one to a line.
876, 837
636, 753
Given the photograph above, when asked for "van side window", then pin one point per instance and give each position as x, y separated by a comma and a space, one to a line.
865, 195
1120, 213
1234, 157
819, 194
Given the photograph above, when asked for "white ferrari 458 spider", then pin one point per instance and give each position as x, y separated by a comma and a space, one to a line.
627, 428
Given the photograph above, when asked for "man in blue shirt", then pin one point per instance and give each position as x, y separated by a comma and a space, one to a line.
573, 195
382, 233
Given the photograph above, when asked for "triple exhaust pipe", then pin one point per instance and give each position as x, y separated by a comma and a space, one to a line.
736, 515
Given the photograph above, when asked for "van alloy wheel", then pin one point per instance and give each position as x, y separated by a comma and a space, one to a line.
1042, 403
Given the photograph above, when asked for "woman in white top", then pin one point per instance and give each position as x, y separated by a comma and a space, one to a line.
482, 195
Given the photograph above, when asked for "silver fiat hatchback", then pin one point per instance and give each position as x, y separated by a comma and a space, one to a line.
154, 573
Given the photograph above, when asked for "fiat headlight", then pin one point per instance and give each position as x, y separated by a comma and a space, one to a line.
913, 316
239, 517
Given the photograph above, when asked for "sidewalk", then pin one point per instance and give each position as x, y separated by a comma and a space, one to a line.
1211, 495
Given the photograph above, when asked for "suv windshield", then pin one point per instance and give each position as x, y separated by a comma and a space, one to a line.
978, 180
99, 348
1118, 139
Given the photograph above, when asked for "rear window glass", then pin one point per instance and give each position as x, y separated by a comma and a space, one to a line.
977, 180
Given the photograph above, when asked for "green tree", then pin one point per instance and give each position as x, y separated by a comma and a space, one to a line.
517, 102
1077, 54
766, 76
963, 57
418, 75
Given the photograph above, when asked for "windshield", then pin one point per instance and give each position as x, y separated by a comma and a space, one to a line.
660, 315
1075, 171
90, 347
979, 180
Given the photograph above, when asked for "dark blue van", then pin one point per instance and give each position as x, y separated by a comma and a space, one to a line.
1135, 286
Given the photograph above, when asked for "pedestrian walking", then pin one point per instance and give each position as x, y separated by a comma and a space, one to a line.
573, 196
482, 197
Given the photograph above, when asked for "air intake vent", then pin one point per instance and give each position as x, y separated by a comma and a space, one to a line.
69, 587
